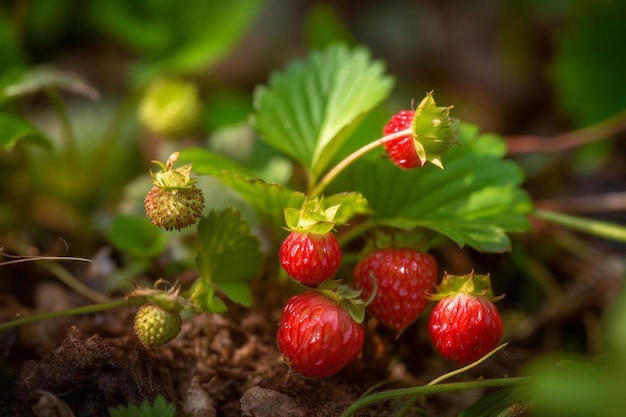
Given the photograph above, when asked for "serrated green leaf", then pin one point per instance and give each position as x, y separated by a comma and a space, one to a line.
137, 236
229, 256
269, 200
310, 110
206, 162
350, 205
41, 78
14, 129
202, 297
475, 200
159, 408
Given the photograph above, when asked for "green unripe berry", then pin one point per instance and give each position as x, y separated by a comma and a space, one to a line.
174, 208
175, 201
170, 107
155, 325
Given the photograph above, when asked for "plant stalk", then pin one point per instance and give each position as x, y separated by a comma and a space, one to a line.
93, 308
431, 389
593, 227
343, 164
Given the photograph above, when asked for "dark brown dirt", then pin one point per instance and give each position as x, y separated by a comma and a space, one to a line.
217, 366
210, 369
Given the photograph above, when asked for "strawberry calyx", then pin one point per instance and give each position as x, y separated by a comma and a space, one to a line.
172, 179
312, 217
473, 284
169, 299
346, 296
432, 130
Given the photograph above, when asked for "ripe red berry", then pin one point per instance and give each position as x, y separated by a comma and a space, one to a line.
465, 326
404, 276
310, 258
401, 150
317, 335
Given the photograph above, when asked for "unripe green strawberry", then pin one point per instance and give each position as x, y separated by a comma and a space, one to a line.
174, 202
465, 324
170, 107
155, 325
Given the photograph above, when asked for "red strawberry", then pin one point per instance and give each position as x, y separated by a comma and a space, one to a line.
430, 134
310, 258
404, 276
465, 324
401, 150
318, 335
311, 253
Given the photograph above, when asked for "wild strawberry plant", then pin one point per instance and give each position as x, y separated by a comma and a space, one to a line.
422, 179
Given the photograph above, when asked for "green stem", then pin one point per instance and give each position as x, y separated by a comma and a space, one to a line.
332, 174
68, 279
411, 402
593, 227
66, 125
94, 308
356, 231
431, 389
112, 133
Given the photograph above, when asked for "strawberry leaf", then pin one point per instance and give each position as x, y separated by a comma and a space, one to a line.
15, 129
228, 258
309, 110
160, 407
350, 205
474, 201
206, 162
269, 200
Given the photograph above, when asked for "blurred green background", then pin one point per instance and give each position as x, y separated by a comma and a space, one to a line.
521, 67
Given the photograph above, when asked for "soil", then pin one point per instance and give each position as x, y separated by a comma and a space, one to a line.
219, 365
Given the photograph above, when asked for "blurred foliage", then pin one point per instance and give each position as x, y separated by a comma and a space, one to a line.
524, 66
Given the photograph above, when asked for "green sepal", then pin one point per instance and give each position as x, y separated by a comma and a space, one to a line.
478, 285
311, 217
433, 132
169, 178
346, 296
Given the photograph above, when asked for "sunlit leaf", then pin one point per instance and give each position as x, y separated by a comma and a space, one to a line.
269, 200
206, 162
14, 129
475, 200
350, 205
229, 256
309, 110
